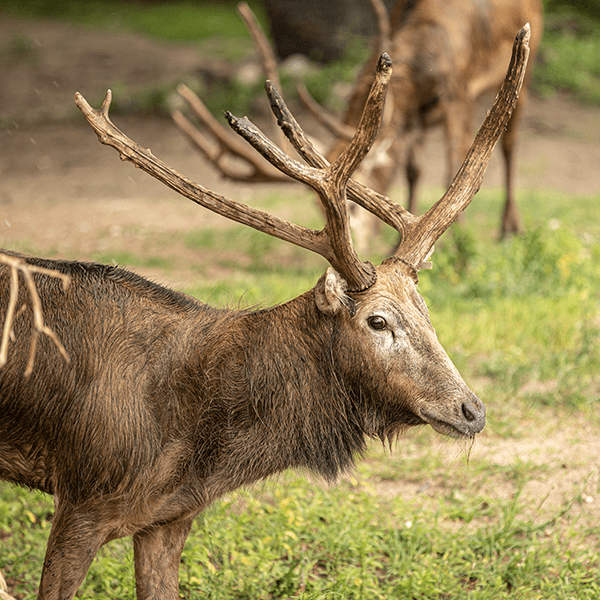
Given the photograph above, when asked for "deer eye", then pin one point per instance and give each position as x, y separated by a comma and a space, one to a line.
377, 323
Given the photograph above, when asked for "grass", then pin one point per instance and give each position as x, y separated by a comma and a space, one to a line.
519, 318
180, 21
569, 59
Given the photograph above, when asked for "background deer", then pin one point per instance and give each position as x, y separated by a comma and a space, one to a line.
167, 403
447, 54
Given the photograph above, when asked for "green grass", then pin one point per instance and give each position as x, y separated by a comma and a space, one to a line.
519, 318
175, 21
570, 55
294, 539
569, 58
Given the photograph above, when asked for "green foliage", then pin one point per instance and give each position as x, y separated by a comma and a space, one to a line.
570, 56
181, 20
295, 539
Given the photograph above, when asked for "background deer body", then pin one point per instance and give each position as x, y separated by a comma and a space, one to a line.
166, 403
446, 53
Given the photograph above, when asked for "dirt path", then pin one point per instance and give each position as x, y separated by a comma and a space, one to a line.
64, 193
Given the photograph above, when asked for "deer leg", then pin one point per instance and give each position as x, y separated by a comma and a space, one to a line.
157, 553
511, 220
413, 171
74, 540
457, 129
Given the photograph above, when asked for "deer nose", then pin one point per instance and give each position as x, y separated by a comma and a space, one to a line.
467, 412
473, 411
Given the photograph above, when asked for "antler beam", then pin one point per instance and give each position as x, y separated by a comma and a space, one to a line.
334, 242
419, 237
142, 158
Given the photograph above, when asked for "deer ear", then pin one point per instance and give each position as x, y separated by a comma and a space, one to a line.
330, 293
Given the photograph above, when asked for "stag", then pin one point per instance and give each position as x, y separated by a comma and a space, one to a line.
447, 54
167, 403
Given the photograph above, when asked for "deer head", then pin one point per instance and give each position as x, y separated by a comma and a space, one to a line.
385, 319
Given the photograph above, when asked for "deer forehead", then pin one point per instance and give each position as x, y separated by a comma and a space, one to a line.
395, 293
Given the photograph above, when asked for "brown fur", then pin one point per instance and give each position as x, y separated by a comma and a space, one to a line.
167, 403
446, 54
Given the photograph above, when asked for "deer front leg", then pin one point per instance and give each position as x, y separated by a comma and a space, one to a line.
74, 541
157, 553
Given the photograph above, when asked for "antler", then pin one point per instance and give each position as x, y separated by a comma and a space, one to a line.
227, 144
334, 241
16, 264
332, 181
419, 234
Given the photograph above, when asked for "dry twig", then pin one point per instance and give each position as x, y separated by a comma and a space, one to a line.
18, 265
4, 595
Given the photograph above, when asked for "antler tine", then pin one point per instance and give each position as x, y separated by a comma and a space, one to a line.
129, 150
381, 206
360, 275
226, 143
370, 121
329, 181
419, 237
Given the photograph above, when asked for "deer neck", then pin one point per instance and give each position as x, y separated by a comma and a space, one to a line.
283, 405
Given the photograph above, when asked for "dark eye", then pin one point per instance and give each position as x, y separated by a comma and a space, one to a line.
377, 323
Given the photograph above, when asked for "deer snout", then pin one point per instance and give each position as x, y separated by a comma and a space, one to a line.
473, 412
464, 417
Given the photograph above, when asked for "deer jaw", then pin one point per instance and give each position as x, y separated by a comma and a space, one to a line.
396, 342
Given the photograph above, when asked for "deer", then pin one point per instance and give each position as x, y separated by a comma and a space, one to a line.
447, 55
165, 403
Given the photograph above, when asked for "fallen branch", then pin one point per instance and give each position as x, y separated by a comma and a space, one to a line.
17, 265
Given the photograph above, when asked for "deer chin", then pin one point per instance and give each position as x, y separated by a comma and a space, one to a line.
455, 428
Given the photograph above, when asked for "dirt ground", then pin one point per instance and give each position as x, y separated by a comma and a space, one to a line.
61, 188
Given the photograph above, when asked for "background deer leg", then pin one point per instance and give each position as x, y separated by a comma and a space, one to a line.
157, 553
459, 135
74, 540
413, 171
511, 219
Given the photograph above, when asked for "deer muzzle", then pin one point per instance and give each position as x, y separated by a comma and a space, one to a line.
464, 417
